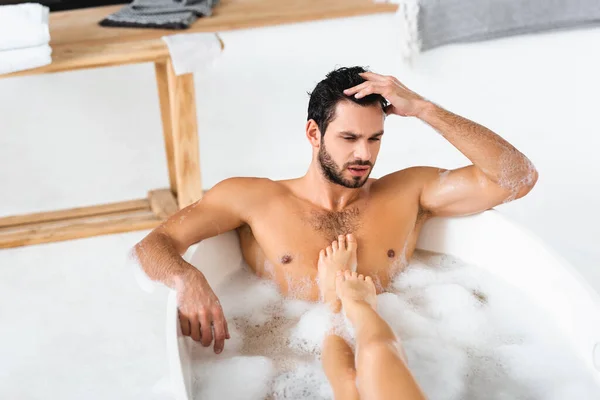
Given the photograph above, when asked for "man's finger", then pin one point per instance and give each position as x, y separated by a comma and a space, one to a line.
195, 328
373, 88
227, 335
357, 88
206, 330
372, 76
219, 335
185, 325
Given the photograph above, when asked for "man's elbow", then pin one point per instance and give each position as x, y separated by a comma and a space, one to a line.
528, 182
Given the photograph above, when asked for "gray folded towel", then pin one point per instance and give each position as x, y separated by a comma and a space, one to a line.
454, 21
164, 14
427, 24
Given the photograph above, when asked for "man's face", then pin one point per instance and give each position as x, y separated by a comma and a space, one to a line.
349, 148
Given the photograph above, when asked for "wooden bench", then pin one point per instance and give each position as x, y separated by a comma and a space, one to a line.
78, 42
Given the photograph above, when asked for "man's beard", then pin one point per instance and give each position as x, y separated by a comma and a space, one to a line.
334, 174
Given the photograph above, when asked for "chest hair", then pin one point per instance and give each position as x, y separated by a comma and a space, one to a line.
331, 224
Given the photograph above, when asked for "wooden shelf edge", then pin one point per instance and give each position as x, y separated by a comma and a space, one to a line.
73, 213
59, 235
86, 222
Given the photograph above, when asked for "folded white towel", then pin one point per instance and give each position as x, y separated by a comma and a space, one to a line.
22, 59
23, 25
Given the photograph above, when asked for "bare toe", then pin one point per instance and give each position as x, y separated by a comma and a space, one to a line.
335, 246
351, 242
369, 279
342, 242
348, 274
361, 277
329, 251
354, 275
322, 254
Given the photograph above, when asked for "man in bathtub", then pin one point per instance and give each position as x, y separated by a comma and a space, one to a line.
284, 225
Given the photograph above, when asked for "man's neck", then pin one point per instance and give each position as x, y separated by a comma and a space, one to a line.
327, 194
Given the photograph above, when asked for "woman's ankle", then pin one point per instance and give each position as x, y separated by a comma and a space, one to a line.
357, 310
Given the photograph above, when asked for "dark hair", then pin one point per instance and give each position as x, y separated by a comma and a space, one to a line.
330, 91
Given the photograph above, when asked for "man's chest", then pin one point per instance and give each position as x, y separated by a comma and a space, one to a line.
284, 243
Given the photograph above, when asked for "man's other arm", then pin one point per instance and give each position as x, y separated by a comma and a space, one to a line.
223, 208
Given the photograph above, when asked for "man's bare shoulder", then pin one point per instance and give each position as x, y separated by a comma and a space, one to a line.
407, 179
247, 187
246, 190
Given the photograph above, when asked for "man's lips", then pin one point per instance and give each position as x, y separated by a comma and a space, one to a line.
358, 170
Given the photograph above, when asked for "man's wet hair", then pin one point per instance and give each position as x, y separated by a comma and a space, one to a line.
330, 91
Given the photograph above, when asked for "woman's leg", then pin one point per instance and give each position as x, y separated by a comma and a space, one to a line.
381, 370
380, 367
337, 356
338, 363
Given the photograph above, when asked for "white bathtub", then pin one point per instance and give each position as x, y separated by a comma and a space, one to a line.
488, 240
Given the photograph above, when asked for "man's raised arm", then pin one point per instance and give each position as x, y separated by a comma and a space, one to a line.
499, 173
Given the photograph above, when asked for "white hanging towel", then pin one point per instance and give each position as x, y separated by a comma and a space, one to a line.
193, 52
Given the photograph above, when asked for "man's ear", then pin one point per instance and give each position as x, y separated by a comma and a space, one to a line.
313, 133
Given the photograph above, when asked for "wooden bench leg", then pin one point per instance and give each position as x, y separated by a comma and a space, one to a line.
180, 128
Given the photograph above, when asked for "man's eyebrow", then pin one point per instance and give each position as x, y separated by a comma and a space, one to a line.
355, 135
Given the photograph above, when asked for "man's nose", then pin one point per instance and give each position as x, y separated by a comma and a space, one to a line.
362, 151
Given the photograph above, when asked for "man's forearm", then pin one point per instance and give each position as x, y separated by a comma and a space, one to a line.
161, 261
501, 162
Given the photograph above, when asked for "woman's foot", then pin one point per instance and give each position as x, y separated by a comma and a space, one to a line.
341, 255
355, 292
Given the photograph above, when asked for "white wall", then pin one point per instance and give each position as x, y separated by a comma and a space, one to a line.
94, 136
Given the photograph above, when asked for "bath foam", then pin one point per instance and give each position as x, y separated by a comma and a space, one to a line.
466, 334
309, 332
480, 329
264, 321
440, 381
307, 381
249, 297
311, 329
296, 308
